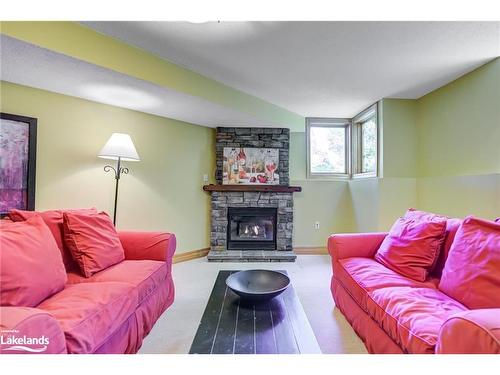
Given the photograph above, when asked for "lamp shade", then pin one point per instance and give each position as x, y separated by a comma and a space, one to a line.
119, 145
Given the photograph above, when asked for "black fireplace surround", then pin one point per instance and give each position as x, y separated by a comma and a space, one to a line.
251, 228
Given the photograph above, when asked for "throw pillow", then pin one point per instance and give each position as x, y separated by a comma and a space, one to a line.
54, 220
412, 246
471, 274
31, 267
92, 241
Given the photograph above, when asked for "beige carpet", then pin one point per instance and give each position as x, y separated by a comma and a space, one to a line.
310, 275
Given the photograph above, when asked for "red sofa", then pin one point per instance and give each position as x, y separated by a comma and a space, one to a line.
394, 314
109, 312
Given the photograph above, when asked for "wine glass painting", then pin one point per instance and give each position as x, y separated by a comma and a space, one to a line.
249, 166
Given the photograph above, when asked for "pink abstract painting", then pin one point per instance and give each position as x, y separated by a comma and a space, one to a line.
14, 143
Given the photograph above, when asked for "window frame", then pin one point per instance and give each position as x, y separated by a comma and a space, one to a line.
353, 146
329, 123
357, 148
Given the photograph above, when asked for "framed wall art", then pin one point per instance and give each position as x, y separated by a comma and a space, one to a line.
250, 166
17, 162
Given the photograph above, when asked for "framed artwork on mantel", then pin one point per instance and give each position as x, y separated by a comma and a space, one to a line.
17, 162
250, 166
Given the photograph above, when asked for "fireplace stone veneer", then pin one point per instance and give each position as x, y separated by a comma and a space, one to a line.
222, 201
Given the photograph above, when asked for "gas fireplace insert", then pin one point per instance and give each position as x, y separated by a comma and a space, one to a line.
251, 228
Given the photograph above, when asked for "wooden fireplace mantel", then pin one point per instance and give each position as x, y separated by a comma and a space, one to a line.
254, 188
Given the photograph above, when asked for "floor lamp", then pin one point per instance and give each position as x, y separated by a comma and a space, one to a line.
119, 147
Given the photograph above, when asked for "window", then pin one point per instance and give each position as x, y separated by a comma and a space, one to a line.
364, 143
328, 151
343, 148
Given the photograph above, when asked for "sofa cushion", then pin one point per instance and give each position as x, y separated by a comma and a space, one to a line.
31, 268
359, 276
92, 240
471, 274
412, 246
89, 313
54, 220
412, 317
144, 275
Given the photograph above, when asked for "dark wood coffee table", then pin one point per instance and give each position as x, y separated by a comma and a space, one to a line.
231, 326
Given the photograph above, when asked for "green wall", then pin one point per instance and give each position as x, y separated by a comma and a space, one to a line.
377, 202
440, 153
458, 129
162, 192
458, 126
399, 146
328, 202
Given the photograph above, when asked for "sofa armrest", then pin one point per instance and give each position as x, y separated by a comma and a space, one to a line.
148, 245
471, 332
19, 322
348, 245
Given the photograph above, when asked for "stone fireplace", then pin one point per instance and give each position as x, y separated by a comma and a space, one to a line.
252, 222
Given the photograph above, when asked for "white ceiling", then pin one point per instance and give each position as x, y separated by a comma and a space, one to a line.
330, 69
29, 65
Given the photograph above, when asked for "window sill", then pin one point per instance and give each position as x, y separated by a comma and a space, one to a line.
363, 176
340, 178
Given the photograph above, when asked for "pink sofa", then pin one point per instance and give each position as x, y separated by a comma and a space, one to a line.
109, 312
394, 314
